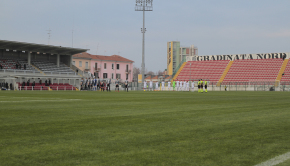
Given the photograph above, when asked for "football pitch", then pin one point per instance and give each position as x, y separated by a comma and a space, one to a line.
60, 128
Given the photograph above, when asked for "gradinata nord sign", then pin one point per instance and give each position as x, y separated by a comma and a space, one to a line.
238, 57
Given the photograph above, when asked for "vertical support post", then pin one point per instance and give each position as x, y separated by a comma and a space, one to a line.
29, 58
57, 60
70, 61
19, 54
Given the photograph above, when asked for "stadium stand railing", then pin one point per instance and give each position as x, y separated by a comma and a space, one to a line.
38, 86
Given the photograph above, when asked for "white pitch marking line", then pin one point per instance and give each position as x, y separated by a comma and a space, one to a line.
276, 160
38, 100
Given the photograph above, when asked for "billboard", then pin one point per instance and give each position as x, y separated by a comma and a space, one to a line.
238, 57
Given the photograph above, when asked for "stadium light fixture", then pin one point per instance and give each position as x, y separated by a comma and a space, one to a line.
143, 5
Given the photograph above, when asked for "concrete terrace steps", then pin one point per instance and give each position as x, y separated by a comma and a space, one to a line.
225, 73
283, 67
37, 69
180, 69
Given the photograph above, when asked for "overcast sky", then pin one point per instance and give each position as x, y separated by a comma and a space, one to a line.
108, 27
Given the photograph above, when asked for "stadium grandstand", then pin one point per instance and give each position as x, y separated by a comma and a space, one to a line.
272, 69
29, 66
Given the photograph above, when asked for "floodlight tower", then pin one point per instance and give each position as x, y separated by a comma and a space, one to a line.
143, 5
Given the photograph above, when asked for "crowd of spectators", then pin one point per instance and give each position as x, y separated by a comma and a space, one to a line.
94, 84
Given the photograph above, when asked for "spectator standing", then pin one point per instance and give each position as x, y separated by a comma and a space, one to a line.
117, 85
86, 84
82, 84
89, 84
126, 84
109, 85
98, 83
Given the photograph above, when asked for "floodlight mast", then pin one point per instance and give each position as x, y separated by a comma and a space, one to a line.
143, 5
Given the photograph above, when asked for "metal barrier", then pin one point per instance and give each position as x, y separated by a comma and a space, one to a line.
12, 71
46, 88
18, 71
230, 86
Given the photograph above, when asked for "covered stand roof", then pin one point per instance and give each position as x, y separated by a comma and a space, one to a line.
22, 46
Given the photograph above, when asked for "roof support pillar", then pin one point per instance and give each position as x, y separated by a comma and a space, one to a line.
57, 60
29, 58
2, 52
19, 53
70, 61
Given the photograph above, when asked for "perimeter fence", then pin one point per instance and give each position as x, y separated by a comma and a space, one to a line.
215, 86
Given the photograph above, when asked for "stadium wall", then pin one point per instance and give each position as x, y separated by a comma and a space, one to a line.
238, 56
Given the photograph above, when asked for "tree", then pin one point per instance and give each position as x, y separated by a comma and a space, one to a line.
136, 71
150, 73
160, 73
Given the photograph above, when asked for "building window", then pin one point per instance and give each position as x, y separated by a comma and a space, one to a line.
80, 64
105, 75
112, 76
74, 62
105, 65
118, 76
118, 66
87, 65
127, 76
112, 66
96, 66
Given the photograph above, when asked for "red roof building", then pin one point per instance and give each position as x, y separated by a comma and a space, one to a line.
105, 67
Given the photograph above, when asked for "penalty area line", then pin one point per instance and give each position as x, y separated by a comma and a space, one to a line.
276, 160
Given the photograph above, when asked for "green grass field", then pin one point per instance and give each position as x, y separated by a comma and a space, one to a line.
143, 128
